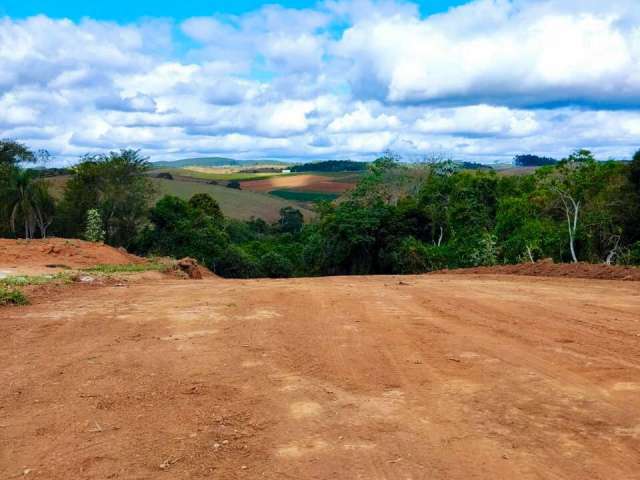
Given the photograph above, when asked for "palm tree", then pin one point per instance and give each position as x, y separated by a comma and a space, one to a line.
29, 202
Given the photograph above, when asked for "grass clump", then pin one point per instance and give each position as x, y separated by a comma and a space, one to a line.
128, 268
25, 280
12, 296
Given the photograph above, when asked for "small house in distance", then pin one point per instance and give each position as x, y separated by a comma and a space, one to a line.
286, 170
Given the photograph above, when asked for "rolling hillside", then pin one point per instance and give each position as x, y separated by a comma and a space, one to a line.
212, 162
239, 204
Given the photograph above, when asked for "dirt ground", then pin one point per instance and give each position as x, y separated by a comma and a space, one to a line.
425, 377
550, 269
35, 257
305, 182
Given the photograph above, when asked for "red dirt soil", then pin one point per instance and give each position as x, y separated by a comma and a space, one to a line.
310, 183
452, 377
549, 269
22, 256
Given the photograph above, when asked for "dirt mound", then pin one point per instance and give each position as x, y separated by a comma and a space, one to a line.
33, 255
192, 269
550, 269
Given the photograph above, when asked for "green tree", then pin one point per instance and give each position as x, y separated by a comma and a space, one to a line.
291, 220
274, 265
204, 203
13, 153
179, 230
27, 200
117, 185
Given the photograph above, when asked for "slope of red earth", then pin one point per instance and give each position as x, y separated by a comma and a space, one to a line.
452, 377
550, 269
304, 182
40, 256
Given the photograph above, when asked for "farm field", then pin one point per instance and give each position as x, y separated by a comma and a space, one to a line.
238, 204
222, 174
345, 377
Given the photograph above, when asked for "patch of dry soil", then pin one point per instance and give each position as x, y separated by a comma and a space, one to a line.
438, 377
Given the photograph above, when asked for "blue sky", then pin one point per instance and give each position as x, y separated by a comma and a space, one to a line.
127, 11
482, 80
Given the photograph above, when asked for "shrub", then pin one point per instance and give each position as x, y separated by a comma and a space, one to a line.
235, 263
274, 265
94, 231
10, 296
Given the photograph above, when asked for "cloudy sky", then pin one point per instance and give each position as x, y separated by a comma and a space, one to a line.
480, 80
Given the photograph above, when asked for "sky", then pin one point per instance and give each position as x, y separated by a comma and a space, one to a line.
478, 80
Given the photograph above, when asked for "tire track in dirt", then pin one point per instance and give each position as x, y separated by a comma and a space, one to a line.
356, 378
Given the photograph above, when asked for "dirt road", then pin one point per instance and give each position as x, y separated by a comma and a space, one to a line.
437, 377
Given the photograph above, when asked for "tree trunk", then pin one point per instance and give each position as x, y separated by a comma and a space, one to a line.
530, 254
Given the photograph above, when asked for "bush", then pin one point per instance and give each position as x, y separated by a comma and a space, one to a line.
94, 231
631, 256
10, 296
274, 265
235, 263
413, 256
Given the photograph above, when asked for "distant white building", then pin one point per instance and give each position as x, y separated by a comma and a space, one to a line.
286, 171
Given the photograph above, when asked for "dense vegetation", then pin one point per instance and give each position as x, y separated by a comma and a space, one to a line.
331, 166
399, 219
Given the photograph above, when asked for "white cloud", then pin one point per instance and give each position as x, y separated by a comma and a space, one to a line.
482, 120
499, 51
361, 120
344, 79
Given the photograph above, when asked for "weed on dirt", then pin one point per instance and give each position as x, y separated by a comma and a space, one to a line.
12, 296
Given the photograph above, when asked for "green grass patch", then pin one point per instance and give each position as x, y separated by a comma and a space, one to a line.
26, 280
12, 296
300, 196
128, 268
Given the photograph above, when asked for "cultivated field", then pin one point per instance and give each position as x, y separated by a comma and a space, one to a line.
437, 376
239, 204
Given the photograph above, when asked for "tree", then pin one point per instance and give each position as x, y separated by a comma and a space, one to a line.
28, 202
94, 231
274, 265
13, 153
204, 203
117, 185
580, 156
291, 220
568, 183
180, 230
634, 172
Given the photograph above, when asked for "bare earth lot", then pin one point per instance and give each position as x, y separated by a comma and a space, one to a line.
432, 377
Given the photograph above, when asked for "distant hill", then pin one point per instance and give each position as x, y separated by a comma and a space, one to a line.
212, 162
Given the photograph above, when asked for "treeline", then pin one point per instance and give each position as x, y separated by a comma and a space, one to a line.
331, 166
533, 161
399, 219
